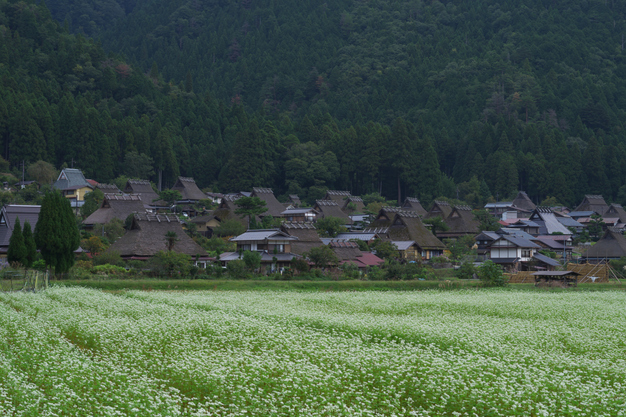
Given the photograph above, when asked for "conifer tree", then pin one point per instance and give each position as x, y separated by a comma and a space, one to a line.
17, 250
30, 245
56, 232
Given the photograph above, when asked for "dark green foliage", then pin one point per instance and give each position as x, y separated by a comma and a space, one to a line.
171, 264
384, 249
466, 270
252, 260
229, 228
251, 207
237, 269
110, 257
330, 226
170, 196
487, 221
300, 265
491, 275
437, 224
56, 232
322, 256
461, 247
17, 252
93, 200
30, 245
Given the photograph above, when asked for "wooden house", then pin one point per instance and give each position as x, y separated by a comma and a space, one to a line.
461, 222
611, 246
522, 201
512, 252
439, 209
274, 207
8, 215
337, 196
306, 234
304, 214
274, 246
408, 251
188, 190
144, 190
146, 237
226, 210
349, 253
108, 188
616, 211
115, 206
294, 200
206, 224
413, 204
330, 208
73, 185
593, 203
547, 221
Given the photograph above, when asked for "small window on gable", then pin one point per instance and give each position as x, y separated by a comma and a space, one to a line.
3, 221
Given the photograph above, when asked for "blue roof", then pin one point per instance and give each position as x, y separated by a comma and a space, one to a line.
546, 260
581, 213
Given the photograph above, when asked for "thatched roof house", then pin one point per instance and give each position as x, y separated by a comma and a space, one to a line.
593, 203
226, 210
188, 189
146, 237
439, 209
337, 196
8, 215
115, 206
143, 189
522, 201
349, 252
355, 202
616, 211
330, 208
108, 188
413, 204
611, 246
306, 233
274, 207
295, 200
461, 222
385, 217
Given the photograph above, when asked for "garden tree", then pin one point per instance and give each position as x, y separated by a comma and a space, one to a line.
487, 221
466, 270
170, 240
252, 259
17, 252
30, 245
384, 249
491, 274
461, 247
436, 224
138, 165
330, 226
94, 245
43, 172
171, 264
322, 256
229, 227
93, 200
170, 196
595, 226
56, 232
251, 207
111, 231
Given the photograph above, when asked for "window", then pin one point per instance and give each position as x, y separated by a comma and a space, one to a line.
526, 253
245, 246
279, 248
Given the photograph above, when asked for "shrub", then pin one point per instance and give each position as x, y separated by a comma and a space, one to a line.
39, 265
170, 263
107, 269
350, 271
491, 275
466, 271
375, 274
110, 257
236, 269
300, 265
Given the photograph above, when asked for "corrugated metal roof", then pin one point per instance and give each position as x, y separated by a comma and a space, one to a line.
546, 260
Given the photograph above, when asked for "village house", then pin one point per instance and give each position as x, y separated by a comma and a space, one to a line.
115, 206
330, 208
349, 253
273, 245
189, 191
73, 185
611, 246
206, 224
304, 214
413, 204
146, 237
512, 253
439, 209
592, 203
461, 222
548, 222
144, 190
274, 207
226, 210
306, 235
8, 215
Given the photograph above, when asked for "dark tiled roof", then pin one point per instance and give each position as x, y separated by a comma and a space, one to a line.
9, 213
71, 178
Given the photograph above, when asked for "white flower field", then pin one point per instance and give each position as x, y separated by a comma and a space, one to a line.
79, 352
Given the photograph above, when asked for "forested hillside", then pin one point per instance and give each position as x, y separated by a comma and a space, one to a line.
467, 98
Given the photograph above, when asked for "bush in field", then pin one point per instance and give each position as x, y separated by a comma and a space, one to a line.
466, 271
252, 260
376, 274
171, 264
491, 275
350, 271
110, 257
109, 270
237, 269
300, 265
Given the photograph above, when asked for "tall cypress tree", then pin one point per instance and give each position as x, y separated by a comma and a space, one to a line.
17, 250
30, 245
56, 232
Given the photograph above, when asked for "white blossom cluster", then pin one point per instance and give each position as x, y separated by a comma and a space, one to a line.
80, 352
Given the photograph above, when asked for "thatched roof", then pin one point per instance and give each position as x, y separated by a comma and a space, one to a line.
612, 246
295, 200
345, 251
306, 233
358, 203
413, 204
524, 202
337, 196
330, 208
616, 211
408, 226
116, 206
439, 209
188, 189
462, 221
593, 203
143, 189
274, 207
108, 188
147, 237
385, 217
226, 210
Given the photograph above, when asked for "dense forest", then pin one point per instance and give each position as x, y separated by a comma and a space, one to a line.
467, 99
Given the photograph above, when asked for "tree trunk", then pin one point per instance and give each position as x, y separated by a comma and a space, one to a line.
399, 191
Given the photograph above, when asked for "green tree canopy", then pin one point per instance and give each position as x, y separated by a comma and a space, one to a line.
251, 207
330, 226
29, 243
322, 256
17, 252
